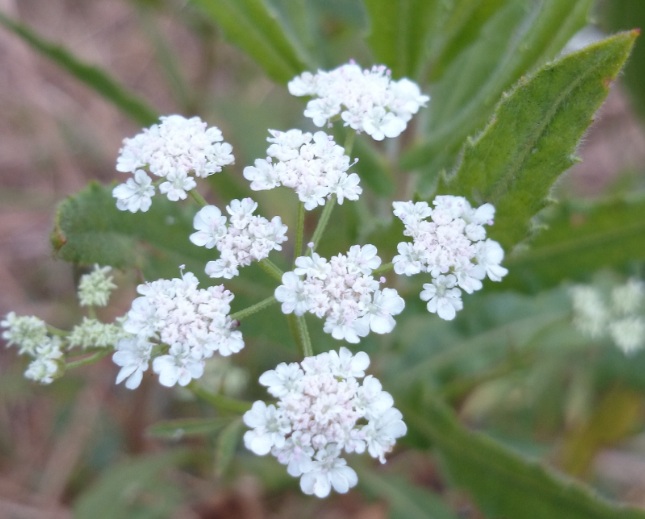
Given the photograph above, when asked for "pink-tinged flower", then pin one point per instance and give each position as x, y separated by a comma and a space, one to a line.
449, 243
323, 411
240, 239
188, 325
342, 291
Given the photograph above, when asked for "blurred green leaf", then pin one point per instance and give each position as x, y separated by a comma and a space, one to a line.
134, 489
226, 446
578, 241
399, 32
187, 427
458, 25
516, 38
502, 483
405, 500
255, 27
620, 15
532, 135
90, 229
94, 77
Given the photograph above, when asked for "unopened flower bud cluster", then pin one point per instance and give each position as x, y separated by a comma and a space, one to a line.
46, 347
617, 314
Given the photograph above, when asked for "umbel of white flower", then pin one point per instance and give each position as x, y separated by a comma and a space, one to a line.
175, 150
343, 292
449, 243
323, 411
189, 323
619, 315
367, 100
313, 165
241, 240
29, 334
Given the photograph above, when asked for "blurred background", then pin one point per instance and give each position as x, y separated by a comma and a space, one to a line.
56, 135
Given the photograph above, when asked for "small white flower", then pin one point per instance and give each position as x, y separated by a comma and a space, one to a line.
175, 149
323, 411
178, 367
133, 355
47, 364
192, 323
343, 291
628, 333
240, 240
135, 194
313, 165
210, 225
448, 242
367, 100
615, 313
443, 297
628, 298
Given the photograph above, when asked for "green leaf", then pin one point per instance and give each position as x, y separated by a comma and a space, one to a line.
502, 483
254, 27
533, 134
133, 489
578, 241
187, 427
405, 500
514, 38
90, 229
94, 77
399, 33
226, 446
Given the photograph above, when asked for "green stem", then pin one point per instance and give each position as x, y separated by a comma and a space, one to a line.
350, 137
271, 268
198, 198
219, 402
300, 333
386, 267
300, 230
265, 303
56, 331
91, 359
324, 220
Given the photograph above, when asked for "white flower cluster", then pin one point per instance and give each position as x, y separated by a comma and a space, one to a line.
367, 100
240, 241
322, 411
173, 150
191, 323
343, 292
448, 242
619, 315
314, 166
94, 289
30, 335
